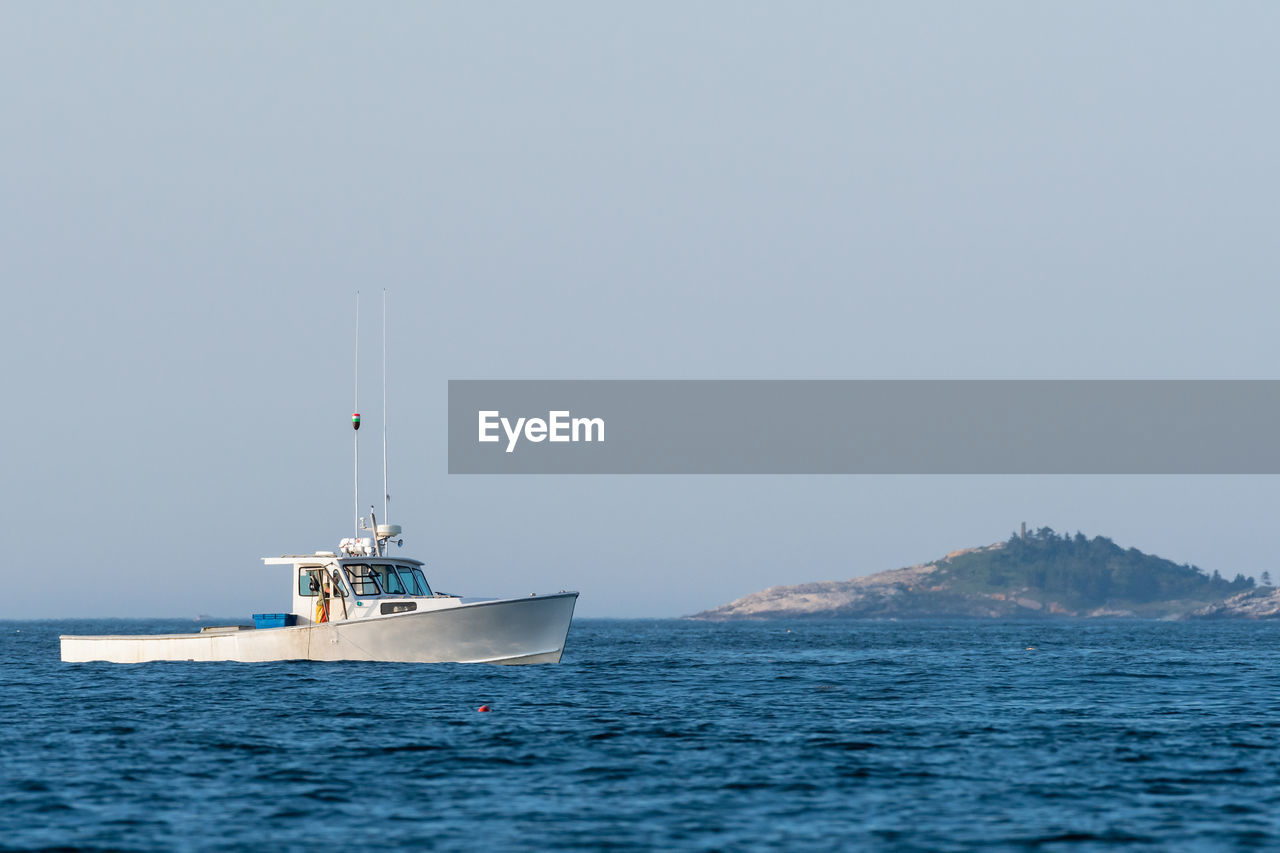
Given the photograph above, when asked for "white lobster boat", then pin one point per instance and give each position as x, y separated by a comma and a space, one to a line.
360, 605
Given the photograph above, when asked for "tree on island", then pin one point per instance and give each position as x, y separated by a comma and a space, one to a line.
1087, 572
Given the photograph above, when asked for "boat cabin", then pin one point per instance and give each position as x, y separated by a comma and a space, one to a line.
329, 588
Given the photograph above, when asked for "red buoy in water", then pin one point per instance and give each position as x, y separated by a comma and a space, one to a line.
484, 708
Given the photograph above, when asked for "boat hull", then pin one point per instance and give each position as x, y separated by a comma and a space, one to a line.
507, 631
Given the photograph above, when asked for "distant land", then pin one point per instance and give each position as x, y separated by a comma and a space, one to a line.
1034, 574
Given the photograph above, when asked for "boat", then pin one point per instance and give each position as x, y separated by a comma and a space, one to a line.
360, 603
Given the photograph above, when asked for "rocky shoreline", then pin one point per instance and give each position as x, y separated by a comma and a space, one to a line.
943, 589
1255, 604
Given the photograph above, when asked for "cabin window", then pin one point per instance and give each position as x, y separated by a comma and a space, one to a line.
382, 578
364, 580
414, 581
389, 580
306, 577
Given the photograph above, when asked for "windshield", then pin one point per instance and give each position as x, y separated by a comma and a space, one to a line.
389, 580
384, 578
414, 580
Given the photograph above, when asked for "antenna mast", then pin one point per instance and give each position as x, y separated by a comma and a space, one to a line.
355, 418
386, 493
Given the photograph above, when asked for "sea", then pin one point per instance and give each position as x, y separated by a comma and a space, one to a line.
663, 735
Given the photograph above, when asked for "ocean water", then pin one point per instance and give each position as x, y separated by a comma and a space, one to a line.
663, 734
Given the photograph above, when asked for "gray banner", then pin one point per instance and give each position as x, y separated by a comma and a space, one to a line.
864, 427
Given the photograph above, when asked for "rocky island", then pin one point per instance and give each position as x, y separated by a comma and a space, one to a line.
1033, 574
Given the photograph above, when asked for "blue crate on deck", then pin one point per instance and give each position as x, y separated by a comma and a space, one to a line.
274, 620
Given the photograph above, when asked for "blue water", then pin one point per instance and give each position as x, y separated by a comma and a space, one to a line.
663, 734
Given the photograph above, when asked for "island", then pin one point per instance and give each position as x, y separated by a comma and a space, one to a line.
1038, 574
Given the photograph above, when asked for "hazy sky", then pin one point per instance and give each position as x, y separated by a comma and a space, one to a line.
190, 194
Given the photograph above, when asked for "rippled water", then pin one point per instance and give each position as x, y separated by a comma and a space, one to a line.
663, 734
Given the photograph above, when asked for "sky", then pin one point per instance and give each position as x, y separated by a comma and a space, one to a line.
192, 194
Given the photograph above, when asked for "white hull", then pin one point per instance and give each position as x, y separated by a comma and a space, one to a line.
510, 631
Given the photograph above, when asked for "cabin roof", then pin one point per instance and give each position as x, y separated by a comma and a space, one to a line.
326, 559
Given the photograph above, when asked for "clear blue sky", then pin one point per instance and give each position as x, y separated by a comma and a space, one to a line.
190, 194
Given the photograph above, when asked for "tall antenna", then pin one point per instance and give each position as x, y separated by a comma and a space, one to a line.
355, 418
386, 493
